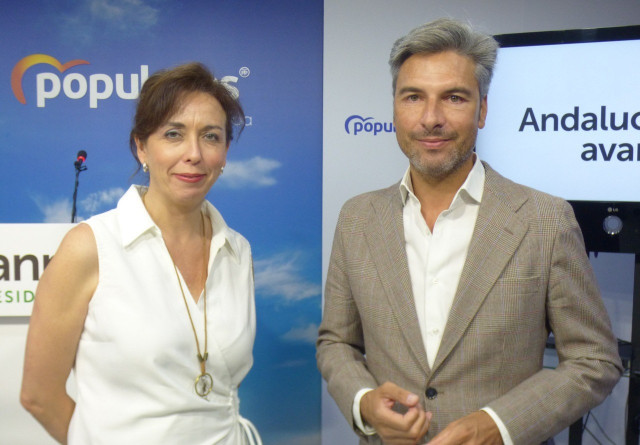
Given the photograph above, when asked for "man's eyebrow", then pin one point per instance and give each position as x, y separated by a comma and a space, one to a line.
459, 90
409, 89
453, 90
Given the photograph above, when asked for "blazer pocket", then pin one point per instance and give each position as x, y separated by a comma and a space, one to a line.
513, 305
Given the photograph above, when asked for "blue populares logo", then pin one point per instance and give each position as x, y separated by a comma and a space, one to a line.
355, 124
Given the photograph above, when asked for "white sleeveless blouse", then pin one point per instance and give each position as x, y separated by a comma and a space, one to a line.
136, 362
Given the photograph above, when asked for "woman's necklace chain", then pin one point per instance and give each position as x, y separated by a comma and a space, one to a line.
204, 382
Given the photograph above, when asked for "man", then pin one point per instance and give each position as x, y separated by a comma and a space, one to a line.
442, 290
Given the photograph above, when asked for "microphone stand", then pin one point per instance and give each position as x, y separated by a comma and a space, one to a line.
79, 168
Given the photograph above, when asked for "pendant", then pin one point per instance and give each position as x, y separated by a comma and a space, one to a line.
204, 384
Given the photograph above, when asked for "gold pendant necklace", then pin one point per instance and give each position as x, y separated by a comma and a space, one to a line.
204, 382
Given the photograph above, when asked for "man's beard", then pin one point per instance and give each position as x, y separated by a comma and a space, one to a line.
454, 160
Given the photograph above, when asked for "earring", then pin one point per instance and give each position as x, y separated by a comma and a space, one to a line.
145, 167
222, 169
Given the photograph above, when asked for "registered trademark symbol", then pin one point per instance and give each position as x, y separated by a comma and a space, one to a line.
244, 71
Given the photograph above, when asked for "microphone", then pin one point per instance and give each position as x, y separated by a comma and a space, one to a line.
80, 158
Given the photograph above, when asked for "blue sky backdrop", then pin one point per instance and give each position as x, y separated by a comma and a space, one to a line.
270, 191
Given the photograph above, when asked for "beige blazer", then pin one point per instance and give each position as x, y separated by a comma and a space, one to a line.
526, 275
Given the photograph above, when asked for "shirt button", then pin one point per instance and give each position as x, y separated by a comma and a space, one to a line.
431, 393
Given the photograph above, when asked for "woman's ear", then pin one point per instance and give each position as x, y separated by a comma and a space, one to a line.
140, 150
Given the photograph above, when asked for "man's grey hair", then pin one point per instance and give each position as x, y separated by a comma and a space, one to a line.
448, 35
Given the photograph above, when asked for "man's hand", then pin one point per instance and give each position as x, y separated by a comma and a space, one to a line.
377, 409
478, 428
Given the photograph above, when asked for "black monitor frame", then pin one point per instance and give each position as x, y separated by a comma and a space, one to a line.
591, 214
612, 34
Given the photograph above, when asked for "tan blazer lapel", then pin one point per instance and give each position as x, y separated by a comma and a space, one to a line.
385, 238
498, 233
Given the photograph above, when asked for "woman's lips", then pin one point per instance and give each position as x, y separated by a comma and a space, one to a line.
189, 177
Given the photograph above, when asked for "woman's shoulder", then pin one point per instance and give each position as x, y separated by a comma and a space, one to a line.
219, 225
71, 277
79, 245
238, 242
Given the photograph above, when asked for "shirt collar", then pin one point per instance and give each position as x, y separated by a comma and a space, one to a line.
135, 223
472, 187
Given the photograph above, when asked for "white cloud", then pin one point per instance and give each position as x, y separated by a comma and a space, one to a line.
55, 212
306, 334
279, 276
59, 211
124, 14
93, 20
105, 198
254, 172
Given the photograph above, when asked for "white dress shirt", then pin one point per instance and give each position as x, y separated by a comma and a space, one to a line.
435, 261
137, 362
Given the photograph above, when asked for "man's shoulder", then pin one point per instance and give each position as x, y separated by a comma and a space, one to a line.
521, 197
364, 203
508, 188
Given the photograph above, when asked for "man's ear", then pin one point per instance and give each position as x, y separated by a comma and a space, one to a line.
483, 112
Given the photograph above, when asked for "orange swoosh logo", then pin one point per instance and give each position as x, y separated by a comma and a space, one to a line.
34, 59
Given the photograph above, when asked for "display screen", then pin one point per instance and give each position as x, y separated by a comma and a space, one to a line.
564, 113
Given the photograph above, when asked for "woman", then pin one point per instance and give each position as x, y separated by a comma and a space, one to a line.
151, 303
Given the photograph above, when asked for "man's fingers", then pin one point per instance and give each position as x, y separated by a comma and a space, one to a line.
417, 424
421, 425
477, 427
395, 414
398, 394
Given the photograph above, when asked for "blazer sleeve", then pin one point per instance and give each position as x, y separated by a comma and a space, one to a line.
589, 364
340, 344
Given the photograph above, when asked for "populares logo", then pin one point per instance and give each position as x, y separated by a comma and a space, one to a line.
356, 124
50, 85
